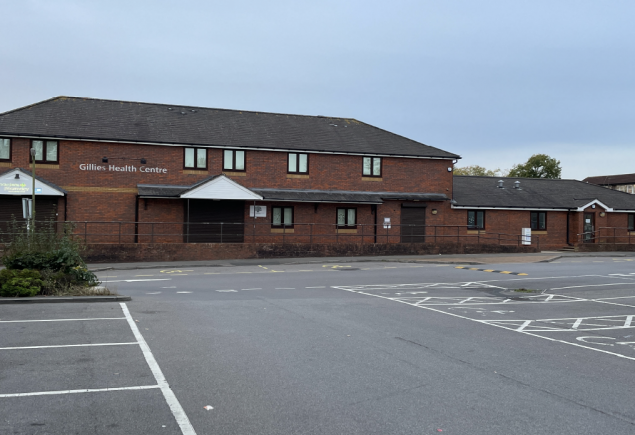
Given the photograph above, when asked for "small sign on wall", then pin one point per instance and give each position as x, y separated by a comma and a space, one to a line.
526, 236
260, 211
387, 223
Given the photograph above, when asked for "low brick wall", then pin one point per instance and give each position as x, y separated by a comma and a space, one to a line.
136, 252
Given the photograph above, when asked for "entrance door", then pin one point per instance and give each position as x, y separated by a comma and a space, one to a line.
214, 221
413, 220
589, 227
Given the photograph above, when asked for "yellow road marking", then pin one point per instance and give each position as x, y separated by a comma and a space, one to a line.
506, 272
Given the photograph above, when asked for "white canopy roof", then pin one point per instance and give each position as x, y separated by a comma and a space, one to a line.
19, 183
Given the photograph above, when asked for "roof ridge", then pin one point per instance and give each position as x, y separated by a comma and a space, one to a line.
180, 105
31, 105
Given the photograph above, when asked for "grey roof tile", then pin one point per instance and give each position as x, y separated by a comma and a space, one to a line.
86, 118
535, 193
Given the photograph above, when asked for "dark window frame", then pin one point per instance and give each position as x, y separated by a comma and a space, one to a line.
282, 224
10, 149
297, 163
347, 225
372, 166
233, 169
531, 221
475, 226
630, 222
195, 167
45, 144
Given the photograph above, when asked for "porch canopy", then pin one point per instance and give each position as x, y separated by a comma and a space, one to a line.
18, 182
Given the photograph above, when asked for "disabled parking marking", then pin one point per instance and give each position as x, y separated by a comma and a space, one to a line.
598, 323
486, 300
520, 324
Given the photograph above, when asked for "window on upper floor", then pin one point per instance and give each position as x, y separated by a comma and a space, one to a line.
46, 151
371, 167
234, 160
476, 219
631, 222
5, 149
298, 163
538, 220
346, 217
195, 158
282, 217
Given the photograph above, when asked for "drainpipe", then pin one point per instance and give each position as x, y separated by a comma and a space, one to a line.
136, 220
568, 225
373, 209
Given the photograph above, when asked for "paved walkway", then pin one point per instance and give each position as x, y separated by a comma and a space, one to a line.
544, 256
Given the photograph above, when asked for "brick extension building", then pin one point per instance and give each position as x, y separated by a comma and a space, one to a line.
143, 173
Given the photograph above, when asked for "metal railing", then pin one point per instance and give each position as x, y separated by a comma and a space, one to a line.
609, 235
117, 232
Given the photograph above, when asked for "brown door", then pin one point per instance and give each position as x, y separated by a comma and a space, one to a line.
214, 221
589, 228
11, 209
413, 221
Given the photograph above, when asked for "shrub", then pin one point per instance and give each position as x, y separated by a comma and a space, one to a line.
17, 283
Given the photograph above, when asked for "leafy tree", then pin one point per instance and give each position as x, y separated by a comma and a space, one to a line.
478, 171
538, 166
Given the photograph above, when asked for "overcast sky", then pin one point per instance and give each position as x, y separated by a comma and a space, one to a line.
492, 80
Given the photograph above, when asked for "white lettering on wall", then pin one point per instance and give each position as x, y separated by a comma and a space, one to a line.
126, 168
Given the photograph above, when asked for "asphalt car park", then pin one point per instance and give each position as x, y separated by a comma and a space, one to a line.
326, 348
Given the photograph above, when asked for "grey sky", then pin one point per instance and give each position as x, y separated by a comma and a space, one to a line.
493, 81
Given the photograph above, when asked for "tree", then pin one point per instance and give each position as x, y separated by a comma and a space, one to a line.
477, 170
538, 166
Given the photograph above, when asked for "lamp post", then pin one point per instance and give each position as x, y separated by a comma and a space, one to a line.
33, 191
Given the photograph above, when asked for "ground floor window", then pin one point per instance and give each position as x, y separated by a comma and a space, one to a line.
282, 217
346, 217
538, 220
631, 222
476, 219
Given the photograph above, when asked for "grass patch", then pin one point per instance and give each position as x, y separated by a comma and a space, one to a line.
526, 290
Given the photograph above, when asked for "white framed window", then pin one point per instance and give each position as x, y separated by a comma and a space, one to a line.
371, 167
234, 160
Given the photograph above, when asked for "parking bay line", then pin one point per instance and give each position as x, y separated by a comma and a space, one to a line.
89, 390
174, 404
67, 345
62, 320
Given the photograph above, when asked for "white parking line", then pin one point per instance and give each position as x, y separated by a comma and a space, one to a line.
62, 320
67, 345
170, 398
90, 390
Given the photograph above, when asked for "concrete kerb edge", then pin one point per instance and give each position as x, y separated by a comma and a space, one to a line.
64, 299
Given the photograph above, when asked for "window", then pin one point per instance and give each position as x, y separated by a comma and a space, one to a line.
5, 149
282, 217
195, 158
631, 222
346, 217
45, 151
538, 220
298, 163
372, 167
476, 219
234, 160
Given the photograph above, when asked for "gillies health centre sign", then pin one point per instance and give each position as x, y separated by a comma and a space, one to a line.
126, 168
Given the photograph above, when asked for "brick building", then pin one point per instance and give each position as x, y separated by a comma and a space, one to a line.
622, 182
140, 172
128, 172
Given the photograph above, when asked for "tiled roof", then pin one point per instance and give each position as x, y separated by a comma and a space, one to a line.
124, 121
611, 180
535, 193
